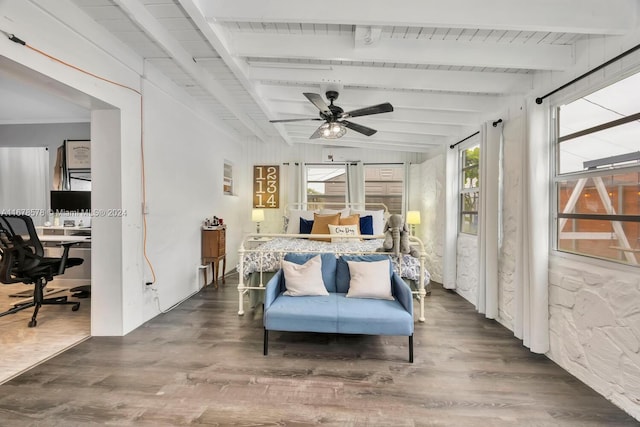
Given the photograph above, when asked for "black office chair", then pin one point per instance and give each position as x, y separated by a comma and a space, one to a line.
22, 260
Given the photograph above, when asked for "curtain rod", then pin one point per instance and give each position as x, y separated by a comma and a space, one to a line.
452, 146
599, 67
463, 140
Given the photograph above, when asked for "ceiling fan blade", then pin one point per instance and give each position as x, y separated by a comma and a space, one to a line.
318, 102
374, 109
294, 120
358, 128
317, 133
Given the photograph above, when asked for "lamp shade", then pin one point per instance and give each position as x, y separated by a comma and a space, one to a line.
257, 215
413, 217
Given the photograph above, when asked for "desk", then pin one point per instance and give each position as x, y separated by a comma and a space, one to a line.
53, 237
65, 239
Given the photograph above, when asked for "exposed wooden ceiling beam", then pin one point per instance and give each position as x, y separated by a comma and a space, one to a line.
404, 51
401, 78
573, 16
290, 109
399, 99
216, 36
150, 25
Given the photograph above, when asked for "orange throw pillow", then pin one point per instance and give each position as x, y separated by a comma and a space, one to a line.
351, 220
321, 225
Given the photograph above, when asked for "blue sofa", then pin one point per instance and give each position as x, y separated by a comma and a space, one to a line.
336, 313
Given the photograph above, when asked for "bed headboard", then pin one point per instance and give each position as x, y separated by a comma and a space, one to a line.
336, 206
294, 211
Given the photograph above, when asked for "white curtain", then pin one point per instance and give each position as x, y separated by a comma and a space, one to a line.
24, 181
449, 270
531, 323
355, 183
295, 179
489, 219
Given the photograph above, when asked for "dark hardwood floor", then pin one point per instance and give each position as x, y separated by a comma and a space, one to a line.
202, 364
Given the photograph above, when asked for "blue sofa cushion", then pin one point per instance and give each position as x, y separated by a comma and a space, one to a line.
328, 266
303, 314
373, 316
343, 277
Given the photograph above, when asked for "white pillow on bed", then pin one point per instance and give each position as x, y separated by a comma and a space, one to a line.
378, 219
294, 220
343, 212
304, 279
369, 280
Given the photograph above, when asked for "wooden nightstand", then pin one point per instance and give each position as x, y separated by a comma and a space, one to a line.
214, 250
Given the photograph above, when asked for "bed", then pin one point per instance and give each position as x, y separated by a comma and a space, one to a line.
257, 264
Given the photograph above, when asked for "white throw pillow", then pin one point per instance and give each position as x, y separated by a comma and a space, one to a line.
370, 280
343, 230
378, 219
293, 227
304, 279
343, 212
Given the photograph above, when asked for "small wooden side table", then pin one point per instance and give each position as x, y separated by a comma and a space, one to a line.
214, 250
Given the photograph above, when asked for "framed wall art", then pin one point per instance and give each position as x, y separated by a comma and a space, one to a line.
266, 187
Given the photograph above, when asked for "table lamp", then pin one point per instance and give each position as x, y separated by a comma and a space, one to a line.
413, 218
257, 216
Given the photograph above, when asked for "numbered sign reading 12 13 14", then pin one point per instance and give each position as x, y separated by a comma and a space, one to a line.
266, 182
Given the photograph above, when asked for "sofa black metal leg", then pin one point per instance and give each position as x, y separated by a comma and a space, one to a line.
266, 342
411, 348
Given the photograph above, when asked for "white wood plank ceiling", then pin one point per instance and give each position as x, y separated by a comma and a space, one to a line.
445, 66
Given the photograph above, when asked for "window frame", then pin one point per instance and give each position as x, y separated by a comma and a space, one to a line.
608, 170
227, 179
320, 204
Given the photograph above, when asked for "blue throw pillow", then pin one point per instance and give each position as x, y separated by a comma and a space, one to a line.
366, 225
306, 225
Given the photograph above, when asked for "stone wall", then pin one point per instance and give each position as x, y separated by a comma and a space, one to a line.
595, 327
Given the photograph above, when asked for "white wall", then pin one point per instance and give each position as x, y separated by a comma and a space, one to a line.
595, 327
183, 162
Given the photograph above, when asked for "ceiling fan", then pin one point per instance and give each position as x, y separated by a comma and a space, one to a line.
335, 125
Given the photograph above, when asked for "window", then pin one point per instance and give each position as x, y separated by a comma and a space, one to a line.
325, 184
469, 189
597, 180
227, 182
385, 184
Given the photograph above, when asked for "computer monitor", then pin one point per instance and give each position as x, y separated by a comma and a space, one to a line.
68, 201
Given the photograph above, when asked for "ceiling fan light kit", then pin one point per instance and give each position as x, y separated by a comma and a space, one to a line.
334, 125
333, 130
